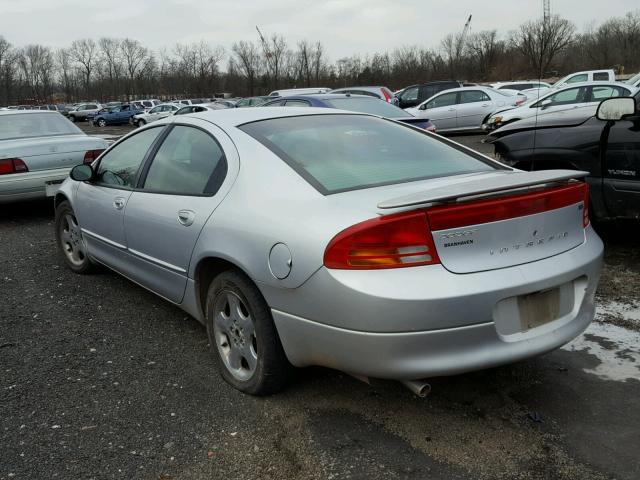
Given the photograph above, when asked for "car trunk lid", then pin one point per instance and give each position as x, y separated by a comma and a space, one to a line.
502, 220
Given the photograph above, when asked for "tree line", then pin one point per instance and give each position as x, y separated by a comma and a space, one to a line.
114, 68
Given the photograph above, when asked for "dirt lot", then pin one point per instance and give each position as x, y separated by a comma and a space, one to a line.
101, 379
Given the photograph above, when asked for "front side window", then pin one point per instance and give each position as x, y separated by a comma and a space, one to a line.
410, 94
578, 78
567, 97
336, 153
189, 162
444, 100
472, 96
119, 166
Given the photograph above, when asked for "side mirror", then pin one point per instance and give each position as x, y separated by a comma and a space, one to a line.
616, 108
423, 106
82, 173
545, 103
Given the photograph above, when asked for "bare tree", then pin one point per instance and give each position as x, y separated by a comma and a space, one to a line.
541, 41
134, 56
248, 62
484, 49
36, 65
274, 51
7, 70
112, 59
84, 53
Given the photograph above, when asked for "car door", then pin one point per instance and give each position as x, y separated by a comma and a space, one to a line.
100, 204
621, 172
409, 97
182, 185
472, 108
441, 110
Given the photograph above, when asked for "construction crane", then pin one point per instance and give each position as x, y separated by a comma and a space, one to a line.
546, 11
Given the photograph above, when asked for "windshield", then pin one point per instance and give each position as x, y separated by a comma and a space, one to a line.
368, 105
337, 153
27, 125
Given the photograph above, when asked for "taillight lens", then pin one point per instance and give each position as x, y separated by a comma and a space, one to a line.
393, 241
387, 97
585, 210
12, 165
91, 155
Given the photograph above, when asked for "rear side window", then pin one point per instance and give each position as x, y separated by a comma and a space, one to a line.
600, 93
472, 96
601, 76
296, 103
119, 166
337, 153
367, 105
189, 162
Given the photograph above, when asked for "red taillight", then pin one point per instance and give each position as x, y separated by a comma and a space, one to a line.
393, 241
485, 211
91, 155
12, 165
520, 102
387, 97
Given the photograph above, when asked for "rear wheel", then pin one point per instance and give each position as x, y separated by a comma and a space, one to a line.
243, 337
69, 239
102, 122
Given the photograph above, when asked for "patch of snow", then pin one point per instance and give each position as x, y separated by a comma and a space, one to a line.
617, 348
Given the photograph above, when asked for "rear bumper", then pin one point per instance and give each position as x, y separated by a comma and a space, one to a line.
30, 185
458, 325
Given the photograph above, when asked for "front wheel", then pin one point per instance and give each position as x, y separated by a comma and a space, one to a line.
69, 239
102, 122
72, 118
243, 337
141, 123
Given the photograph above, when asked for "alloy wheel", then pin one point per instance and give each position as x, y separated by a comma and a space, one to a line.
235, 335
71, 240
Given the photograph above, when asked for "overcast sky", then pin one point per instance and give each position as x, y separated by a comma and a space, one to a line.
345, 27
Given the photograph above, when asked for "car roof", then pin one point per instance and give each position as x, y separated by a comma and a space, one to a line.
601, 83
234, 117
325, 96
28, 112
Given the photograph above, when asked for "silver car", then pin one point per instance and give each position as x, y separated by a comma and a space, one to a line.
37, 150
83, 111
314, 236
156, 113
464, 108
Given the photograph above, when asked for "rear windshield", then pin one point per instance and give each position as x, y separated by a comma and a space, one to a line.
27, 125
373, 106
337, 153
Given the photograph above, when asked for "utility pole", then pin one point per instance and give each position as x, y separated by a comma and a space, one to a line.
546, 11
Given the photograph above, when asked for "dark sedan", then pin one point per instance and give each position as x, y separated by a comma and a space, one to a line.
352, 103
581, 140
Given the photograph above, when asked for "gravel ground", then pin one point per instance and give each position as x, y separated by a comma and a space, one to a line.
100, 379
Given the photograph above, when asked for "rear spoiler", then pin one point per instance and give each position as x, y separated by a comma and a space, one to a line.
478, 186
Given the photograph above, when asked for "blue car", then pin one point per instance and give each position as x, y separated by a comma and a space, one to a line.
117, 115
353, 103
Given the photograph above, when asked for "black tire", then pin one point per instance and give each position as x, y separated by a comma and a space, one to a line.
83, 264
102, 123
141, 123
272, 369
72, 118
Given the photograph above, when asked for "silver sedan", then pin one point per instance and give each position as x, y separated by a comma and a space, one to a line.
464, 108
308, 236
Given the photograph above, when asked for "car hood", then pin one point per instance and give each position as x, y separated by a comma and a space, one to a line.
563, 118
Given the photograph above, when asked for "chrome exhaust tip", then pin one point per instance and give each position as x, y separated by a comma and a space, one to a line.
418, 387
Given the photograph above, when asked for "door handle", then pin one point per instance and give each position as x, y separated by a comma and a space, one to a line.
485, 105
186, 217
118, 203
452, 109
